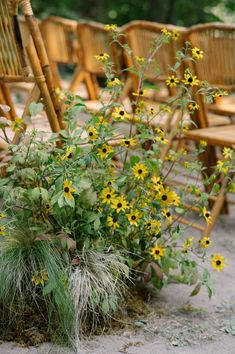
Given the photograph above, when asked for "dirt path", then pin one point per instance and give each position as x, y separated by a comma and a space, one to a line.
176, 323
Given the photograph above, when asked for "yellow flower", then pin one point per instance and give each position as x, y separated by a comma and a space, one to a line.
139, 59
60, 94
162, 140
68, 189
2, 230
2, 216
104, 151
197, 53
114, 82
102, 57
152, 111
119, 204
48, 208
168, 197
140, 171
157, 183
119, 113
165, 108
157, 252
167, 214
218, 262
92, 133
69, 154
40, 278
16, 123
166, 32
140, 93
153, 225
112, 222
227, 153
207, 215
134, 217
220, 166
128, 142
111, 27
175, 35
220, 93
188, 242
172, 81
205, 242
107, 195
193, 106
203, 143
185, 128
191, 80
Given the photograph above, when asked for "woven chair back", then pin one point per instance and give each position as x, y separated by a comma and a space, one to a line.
217, 40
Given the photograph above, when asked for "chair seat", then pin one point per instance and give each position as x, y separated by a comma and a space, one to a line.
222, 136
224, 106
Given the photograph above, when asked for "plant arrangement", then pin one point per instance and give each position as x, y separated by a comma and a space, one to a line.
81, 219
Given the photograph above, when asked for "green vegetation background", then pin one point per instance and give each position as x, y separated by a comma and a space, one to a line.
179, 12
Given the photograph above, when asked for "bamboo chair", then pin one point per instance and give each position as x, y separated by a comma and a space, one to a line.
140, 35
16, 67
60, 38
218, 42
94, 40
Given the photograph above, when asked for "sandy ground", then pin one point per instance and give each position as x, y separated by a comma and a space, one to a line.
176, 323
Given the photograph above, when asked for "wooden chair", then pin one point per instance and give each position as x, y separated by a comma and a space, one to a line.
16, 67
94, 40
140, 35
218, 42
60, 38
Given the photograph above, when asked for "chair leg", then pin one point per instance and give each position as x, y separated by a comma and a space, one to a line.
55, 74
78, 77
6, 97
91, 86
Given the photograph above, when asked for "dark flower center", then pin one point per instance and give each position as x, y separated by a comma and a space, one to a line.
172, 80
198, 51
108, 196
119, 205
207, 215
101, 54
190, 79
207, 242
90, 133
168, 214
133, 217
157, 252
66, 189
127, 142
69, 155
48, 206
149, 224
112, 79
140, 171
104, 150
141, 92
218, 263
121, 113
164, 197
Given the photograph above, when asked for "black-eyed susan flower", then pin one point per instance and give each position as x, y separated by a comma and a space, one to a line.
172, 81
154, 226
197, 53
102, 57
185, 127
120, 113
114, 82
205, 242
139, 59
167, 214
107, 195
119, 204
134, 217
68, 189
188, 243
152, 111
47, 208
2, 230
193, 106
164, 108
166, 32
157, 183
68, 154
92, 133
220, 93
128, 142
207, 215
157, 252
40, 278
112, 27
2, 216
113, 222
140, 93
227, 152
104, 151
221, 167
190, 79
218, 262
175, 35
16, 123
162, 140
203, 143
168, 197
140, 171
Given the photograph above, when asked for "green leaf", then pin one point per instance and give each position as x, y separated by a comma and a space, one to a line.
134, 159
196, 289
35, 108
97, 224
105, 306
49, 287
133, 70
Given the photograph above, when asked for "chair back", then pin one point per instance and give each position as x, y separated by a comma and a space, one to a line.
217, 40
140, 36
94, 40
